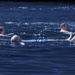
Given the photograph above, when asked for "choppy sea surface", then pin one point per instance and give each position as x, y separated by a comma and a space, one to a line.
37, 21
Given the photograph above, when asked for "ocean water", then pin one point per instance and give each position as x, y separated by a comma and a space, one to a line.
37, 21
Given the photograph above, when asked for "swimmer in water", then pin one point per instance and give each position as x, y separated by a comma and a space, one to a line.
65, 29
14, 39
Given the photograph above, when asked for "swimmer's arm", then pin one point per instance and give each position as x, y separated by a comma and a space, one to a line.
70, 37
69, 33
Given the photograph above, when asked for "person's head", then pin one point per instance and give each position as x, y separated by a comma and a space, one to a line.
64, 26
2, 30
17, 40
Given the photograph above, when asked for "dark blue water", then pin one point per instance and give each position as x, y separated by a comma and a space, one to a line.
37, 21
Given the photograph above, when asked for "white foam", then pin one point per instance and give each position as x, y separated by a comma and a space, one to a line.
22, 43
